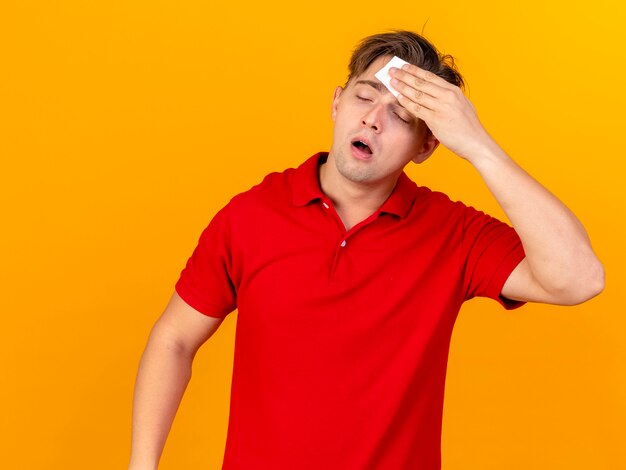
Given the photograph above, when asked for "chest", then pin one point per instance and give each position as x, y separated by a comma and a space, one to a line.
307, 261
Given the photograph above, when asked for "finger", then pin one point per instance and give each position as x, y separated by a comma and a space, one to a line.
428, 76
415, 95
416, 82
416, 109
411, 72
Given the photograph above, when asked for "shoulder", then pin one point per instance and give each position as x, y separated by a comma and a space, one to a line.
436, 202
281, 190
274, 188
440, 212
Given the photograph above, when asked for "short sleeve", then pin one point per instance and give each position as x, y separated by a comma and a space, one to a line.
491, 250
206, 281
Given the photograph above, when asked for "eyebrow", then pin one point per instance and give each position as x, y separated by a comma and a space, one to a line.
378, 86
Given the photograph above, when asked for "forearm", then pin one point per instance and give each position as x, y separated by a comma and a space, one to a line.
164, 372
558, 250
560, 266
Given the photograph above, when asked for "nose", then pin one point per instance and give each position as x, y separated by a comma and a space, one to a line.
373, 118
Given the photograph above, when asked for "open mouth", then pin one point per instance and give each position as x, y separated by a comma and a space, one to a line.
362, 146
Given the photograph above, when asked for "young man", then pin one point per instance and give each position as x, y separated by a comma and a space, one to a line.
348, 278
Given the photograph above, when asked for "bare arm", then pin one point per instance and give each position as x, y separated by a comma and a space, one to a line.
560, 266
164, 372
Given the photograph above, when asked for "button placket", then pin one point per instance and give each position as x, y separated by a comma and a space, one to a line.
339, 251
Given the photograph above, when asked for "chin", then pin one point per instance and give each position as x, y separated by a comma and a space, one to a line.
355, 173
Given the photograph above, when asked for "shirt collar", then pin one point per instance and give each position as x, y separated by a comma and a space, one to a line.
401, 198
305, 188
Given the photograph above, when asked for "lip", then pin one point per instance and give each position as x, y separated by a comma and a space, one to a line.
358, 153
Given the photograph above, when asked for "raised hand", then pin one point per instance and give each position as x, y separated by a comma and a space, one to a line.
448, 113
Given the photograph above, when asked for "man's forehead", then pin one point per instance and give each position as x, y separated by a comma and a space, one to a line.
369, 74
376, 65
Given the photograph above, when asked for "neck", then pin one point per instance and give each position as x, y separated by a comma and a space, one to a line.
353, 201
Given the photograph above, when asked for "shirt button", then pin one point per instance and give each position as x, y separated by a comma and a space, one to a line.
343, 243
325, 205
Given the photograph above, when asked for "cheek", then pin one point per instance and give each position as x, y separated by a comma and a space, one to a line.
406, 149
407, 140
342, 124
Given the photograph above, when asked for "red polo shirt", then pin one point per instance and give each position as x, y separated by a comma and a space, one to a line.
342, 336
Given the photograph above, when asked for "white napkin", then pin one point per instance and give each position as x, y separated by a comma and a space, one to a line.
383, 74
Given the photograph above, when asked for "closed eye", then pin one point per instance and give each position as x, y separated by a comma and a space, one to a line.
401, 119
362, 98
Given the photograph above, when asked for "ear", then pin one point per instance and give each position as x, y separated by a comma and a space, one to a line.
428, 146
333, 111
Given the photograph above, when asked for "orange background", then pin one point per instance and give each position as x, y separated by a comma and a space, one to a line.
124, 126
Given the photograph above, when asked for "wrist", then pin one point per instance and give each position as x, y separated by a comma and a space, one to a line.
142, 464
142, 467
486, 155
